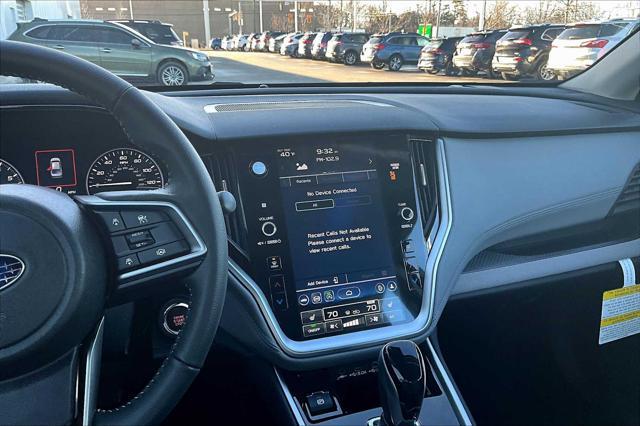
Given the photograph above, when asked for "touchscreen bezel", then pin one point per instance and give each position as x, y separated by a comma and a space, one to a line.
388, 148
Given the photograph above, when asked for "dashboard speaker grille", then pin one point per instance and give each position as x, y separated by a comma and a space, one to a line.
222, 171
629, 198
426, 172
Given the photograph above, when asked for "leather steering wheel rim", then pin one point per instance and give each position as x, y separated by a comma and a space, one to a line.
189, 187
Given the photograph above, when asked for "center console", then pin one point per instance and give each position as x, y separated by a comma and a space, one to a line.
334, 231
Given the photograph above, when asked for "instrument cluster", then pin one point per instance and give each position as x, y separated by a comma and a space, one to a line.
119, 169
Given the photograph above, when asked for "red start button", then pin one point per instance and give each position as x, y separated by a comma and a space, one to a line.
174, 318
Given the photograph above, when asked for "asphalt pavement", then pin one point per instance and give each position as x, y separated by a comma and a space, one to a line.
260, 67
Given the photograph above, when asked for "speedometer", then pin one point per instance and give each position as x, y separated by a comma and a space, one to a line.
9, 174
124, 169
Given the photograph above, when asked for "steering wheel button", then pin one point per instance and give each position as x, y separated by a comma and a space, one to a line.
112, 220
134, 219
165, 251
139, 239
128, 262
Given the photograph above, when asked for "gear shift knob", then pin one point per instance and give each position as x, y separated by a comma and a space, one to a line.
402, 381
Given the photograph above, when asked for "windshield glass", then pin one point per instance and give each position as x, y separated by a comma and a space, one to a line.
209, 42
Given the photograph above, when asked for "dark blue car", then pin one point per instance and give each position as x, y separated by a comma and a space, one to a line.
215, 43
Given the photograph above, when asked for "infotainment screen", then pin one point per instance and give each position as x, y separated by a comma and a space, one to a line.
336, 240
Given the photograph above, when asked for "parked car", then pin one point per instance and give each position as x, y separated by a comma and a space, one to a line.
119, 49
319, 45
276, 42
346, 47
289, 46
580, 45
474, 52
239, 42
254, 42
437, 56
225, 42
525, 51
158, 32
265, 38
216, 42
249, 43
393, 50
304, 45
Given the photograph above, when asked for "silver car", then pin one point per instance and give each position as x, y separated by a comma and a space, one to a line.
580, 45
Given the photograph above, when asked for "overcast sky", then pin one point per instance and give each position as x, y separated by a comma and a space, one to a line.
612, 7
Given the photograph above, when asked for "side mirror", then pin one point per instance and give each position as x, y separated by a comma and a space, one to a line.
136, 43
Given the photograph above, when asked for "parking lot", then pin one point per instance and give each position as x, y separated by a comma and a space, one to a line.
260, 67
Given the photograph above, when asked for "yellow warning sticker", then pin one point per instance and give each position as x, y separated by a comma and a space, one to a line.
620, 313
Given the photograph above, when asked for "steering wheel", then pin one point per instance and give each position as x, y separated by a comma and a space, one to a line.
60, 263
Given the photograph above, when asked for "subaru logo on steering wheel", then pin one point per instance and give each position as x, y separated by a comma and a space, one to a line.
11, 269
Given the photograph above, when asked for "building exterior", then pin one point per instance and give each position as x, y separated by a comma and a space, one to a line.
14, 11
187, 16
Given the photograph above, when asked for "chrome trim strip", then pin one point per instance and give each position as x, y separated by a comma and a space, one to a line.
198, 251
92, 376
279, 105
292, 404
455, 399
365, 338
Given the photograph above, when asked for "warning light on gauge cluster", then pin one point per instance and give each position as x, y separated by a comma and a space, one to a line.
392, 175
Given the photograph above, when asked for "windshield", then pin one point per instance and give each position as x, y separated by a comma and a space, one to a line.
196, 43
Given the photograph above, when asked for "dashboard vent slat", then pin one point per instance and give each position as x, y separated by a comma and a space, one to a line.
629, 198
223, 173
426, 170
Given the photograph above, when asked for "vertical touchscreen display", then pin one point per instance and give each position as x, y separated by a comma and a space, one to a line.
335, 238
338, 238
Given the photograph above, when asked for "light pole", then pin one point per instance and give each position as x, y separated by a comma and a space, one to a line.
261, 29
438, 18
295, 14
207, 25
131, 9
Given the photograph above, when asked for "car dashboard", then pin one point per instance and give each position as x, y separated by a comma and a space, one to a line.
360, 212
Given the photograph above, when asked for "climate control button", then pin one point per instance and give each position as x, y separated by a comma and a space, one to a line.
407, 213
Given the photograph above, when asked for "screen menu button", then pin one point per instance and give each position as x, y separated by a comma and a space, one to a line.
313, 329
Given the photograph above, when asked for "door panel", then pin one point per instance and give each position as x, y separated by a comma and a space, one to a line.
529, 353
77, 40
121, 57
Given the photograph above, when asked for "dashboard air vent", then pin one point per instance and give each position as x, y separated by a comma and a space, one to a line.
223, 173
629, 198
426, 172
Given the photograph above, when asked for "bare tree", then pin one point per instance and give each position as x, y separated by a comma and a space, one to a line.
502, 14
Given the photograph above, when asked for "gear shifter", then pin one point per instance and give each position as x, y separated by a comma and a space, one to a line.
402, 382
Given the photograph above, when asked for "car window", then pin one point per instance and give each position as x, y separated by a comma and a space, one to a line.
75, 33
421, 41
374, 40
580, 32
551, 33
473, 38
515, 35
434, 43
495, 36
115, 36
608, 30
40, 33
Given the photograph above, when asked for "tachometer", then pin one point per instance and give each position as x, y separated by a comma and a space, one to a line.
9, 174
124, 169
